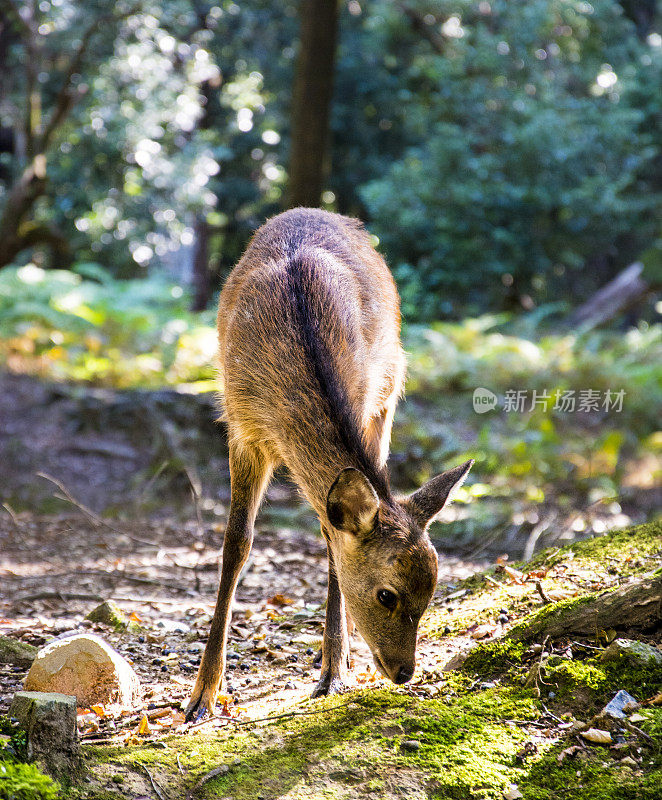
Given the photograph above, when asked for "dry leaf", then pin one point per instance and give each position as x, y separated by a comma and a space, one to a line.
99, 711
178, 718
569, 752
134, 617
143, 728
596, 736
559, 594
514, 574
482, 631
280, 600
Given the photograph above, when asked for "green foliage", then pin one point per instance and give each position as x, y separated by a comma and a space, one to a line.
118, 333
532, 153
18, 780
25, 782
499, 151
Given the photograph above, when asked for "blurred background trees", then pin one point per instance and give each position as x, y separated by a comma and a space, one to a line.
505, 155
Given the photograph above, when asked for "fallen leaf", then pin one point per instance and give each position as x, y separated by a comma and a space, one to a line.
143, 728
596, 736
569, 752
99, 710
134, 617
482, 631
514, 574
280, 600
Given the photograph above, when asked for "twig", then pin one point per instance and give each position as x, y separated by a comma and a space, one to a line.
12, 514
94, 518
588, 646
116, 575
635, 730
28, 598
548, 713
155, 785
284, 715
541, 592
213, 773
536, 533
179, 764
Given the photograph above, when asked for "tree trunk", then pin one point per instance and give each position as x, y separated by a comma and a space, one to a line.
201, 276
311, 101
620, 294
636, 605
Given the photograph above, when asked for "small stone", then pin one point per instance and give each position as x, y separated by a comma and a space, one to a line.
637, 653
551, 695
487, 685
16, 653
628, 761
88, 668
502, 619
512, 793
173, 626
616, 706
410, 746
109, 613
290, 685
49, 719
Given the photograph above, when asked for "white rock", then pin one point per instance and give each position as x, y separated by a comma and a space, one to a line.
87, 667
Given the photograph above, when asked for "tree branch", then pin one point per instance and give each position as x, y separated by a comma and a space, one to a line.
66, 99
428, 32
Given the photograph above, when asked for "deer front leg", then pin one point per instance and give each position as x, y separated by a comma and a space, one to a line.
249, 475
335, 644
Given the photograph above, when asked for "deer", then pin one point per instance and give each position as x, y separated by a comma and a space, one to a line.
311, 368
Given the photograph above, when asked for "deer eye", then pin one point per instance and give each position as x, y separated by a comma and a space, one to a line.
387, 599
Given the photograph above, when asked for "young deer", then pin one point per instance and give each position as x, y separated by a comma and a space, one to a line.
312, 368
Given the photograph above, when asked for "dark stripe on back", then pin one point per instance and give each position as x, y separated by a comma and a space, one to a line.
300, 285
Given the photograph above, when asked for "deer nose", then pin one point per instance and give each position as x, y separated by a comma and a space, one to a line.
404, 674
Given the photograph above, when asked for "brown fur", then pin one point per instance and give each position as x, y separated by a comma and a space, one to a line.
312, 368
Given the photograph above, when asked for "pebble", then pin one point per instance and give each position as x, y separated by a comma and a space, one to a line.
410, 745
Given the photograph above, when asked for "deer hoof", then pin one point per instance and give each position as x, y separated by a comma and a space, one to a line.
200, 705
328, 685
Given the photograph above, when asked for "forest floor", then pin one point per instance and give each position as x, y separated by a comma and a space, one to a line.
474, 732
119, 509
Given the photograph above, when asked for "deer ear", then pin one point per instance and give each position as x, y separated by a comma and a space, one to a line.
352, 503
425, 503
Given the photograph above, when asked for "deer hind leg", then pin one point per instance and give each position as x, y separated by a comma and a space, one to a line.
250, 472
378, 432
335, 645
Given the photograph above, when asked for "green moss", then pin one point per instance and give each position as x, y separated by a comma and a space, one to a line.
641, 681
590, 779
570, 675
625, 550
25, 782
494, 657
466, 747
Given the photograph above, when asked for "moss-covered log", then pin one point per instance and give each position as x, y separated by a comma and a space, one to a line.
637, 605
